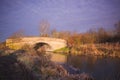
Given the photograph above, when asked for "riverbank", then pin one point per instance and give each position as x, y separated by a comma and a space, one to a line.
107, 49
39, 66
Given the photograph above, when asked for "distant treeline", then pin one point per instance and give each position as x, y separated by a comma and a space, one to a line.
99, 35
93, 42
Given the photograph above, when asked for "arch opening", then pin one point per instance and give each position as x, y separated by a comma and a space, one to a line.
42, 47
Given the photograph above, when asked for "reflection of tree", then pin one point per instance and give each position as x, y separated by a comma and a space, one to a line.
75, 61
91, 62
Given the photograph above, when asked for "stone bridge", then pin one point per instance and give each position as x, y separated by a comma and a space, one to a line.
18, 43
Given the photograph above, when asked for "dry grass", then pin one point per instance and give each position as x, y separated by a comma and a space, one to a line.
107, 49
38, 67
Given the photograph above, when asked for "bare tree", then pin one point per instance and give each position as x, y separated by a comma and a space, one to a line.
17, 35
54, 33
117, 28
44, 28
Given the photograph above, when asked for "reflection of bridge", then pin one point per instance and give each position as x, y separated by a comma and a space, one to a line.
54, 43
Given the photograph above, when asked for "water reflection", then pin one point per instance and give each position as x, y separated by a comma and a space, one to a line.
58, 58
102, 68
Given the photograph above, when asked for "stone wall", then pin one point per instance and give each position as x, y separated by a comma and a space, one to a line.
54, 43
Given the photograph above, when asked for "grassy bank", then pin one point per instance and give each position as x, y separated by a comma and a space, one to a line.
34, 64
62, 50
105, 49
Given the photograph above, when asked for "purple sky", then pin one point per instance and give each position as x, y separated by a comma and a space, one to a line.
71, 15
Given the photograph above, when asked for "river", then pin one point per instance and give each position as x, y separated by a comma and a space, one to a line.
101, 68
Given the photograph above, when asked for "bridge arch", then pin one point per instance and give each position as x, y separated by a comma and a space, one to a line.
41, 46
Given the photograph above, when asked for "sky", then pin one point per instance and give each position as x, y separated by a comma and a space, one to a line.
63, 15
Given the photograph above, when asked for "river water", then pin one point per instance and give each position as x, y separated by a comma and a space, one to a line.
101, 68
